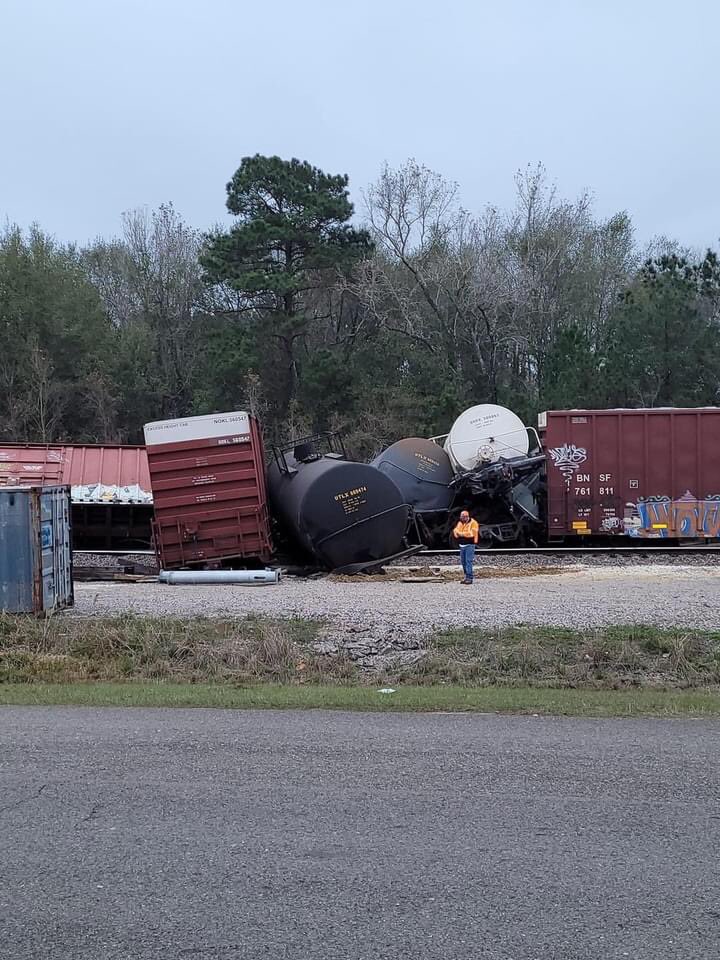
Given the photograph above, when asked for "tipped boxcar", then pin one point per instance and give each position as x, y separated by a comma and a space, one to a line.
648, 474
208, 483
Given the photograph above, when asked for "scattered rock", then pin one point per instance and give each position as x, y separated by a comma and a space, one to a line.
325, 646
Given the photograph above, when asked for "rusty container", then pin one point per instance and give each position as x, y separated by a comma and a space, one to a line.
207, 476
35, 549
650, 473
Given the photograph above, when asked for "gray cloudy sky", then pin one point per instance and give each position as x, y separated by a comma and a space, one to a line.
115, 104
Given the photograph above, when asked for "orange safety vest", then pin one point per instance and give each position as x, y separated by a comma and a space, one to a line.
467, 531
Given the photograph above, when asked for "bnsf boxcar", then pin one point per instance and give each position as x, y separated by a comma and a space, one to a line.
638, 473
208, 483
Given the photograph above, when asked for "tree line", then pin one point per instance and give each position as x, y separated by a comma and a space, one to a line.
380, 325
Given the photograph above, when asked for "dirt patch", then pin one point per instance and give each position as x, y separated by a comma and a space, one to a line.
444, 574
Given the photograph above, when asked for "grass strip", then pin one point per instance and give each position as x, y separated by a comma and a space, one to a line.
250, 652
519, 700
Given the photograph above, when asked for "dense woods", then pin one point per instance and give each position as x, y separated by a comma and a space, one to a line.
379, 322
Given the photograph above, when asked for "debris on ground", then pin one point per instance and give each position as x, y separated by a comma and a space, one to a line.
442, 574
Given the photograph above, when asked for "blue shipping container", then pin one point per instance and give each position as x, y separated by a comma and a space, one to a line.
35, 549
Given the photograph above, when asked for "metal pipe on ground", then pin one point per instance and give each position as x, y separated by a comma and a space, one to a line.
246, 577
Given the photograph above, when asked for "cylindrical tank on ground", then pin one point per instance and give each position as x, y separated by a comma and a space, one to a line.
340, 512
484, 434
422, 472
248, 577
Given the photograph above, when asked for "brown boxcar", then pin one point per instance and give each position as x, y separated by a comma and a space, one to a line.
639, 473
208, 482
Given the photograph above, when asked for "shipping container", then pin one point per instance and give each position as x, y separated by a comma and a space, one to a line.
207, 476
35, 549
638, 473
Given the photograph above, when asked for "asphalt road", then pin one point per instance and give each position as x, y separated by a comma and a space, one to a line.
166, 834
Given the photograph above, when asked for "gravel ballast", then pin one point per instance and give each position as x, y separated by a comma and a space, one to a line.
397, 611
637, 557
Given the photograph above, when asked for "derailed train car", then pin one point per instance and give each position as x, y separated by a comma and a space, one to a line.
423, 473
643, 474
209, 481
500, 475
343, 514
489, 464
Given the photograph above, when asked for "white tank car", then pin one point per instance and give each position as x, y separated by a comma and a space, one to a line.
484, 434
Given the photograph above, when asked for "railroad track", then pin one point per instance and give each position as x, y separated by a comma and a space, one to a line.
574, 551
135, 564
427, 555
127, 552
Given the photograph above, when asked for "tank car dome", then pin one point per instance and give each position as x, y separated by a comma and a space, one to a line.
484, 434
422, 472
340, 512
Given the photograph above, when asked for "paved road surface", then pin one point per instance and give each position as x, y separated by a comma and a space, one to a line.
214, 835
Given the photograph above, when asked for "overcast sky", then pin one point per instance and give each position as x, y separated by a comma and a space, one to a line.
114, 104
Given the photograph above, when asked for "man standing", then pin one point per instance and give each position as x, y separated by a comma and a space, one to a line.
466, 534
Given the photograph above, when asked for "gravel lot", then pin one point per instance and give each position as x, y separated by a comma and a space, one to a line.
581, 597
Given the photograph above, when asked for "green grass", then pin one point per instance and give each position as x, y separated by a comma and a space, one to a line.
600, 658
64, 649
260, 662
521, 700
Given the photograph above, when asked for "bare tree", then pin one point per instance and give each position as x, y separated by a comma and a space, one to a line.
485, 296
565, 268
151, 277
45, 407
438, 277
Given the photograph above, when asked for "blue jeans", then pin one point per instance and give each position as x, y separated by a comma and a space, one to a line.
467, 555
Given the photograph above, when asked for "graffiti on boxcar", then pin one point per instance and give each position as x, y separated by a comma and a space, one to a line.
661, 517
567, 458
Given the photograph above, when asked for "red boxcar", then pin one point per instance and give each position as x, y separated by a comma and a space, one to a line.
208, 482
109, 484
96, 473
641, 473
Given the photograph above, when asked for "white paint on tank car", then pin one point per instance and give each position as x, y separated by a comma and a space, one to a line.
484, 434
